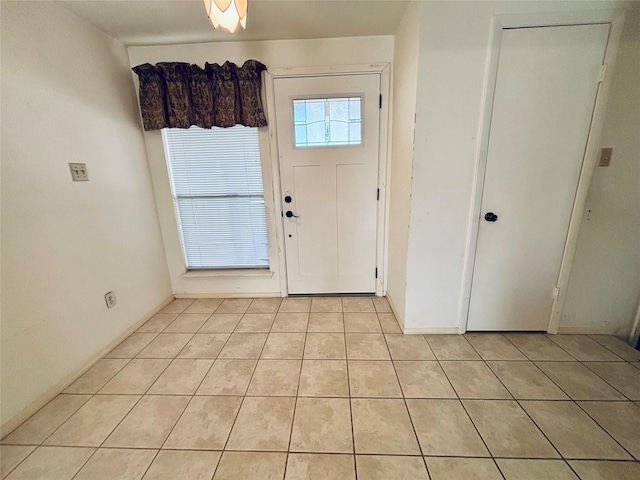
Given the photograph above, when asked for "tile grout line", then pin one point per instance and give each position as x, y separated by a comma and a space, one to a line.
346, 362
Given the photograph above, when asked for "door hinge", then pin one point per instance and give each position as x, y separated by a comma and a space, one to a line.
380, 105
603, 72
556, 292
378, 195
376, 272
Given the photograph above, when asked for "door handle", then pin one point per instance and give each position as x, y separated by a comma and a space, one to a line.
491, 217
290, 214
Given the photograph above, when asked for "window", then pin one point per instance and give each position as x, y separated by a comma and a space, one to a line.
323, 122
216, 183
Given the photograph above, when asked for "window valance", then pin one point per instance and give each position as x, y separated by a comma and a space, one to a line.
178, 95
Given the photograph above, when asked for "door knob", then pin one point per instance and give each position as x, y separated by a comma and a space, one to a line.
290, 214
491, 217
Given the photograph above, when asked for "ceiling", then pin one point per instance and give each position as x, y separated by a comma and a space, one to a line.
156, 22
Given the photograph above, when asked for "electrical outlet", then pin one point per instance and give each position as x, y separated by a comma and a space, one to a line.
79, 172
110, 299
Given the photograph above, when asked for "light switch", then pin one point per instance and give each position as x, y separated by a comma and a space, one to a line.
605, 157
79, 172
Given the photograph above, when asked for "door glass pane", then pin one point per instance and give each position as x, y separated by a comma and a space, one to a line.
323, 122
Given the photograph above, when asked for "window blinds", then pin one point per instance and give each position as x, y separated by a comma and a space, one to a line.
216, 183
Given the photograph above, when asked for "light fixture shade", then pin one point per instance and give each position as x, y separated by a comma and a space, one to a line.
227, 14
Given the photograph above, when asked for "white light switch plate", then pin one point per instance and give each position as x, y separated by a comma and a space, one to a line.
79, 172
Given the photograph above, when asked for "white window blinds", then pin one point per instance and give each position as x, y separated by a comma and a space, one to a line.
216, 183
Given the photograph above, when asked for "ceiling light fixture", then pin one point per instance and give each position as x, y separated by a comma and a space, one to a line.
227, 14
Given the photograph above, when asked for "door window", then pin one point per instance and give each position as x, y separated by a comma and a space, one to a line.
324, 122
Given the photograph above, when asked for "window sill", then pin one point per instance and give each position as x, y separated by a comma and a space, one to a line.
241, 272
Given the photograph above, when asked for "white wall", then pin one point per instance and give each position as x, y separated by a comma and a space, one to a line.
274, 54
67, 97
453, 57
405, 78
604, 286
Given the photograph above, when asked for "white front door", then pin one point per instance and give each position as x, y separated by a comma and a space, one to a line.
328, 128
545, 93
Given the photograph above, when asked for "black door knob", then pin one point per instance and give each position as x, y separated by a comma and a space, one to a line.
290, 214
287, 199
491, 217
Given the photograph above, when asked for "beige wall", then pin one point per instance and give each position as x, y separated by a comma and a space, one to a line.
67, 96
274, 54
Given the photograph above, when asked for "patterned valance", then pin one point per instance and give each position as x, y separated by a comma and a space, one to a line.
176, 94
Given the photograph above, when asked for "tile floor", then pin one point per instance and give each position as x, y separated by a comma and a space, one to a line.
328, 388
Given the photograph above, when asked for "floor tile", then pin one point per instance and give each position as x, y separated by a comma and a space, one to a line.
284, 346
507, 430
389, 323
620, 419
474, 380
256, 323
187, 323
322, 425
275, 378
381, 304
178, 305
149, 423
295, 305
244, 345
326, 304
116, 463
97, 376
583, 348
51, 463
305, 466
205, 424
133, 345
264, 423
136, 377
366, 346
578, 382
538, 347
362, 322
493, 346
423, 380
46, 420
521, 469
91, 425
444, 428
594, 470
377, 467
264, 305
324, 378
251, 465
290, 322
525, 381
617, 346
165, 345
451, 347
157, 323
326, 322
324, 346
234, 305
462, 468
409, 347
221, 323
373, 379
572, 432
383, 426
204, 305
622, 376
191, 465
204, 345
228, 377
182, 377
11, 456
357, 304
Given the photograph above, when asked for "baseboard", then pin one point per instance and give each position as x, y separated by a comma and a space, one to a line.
587, 331
59, 387
432, 331
229, 295
395, 312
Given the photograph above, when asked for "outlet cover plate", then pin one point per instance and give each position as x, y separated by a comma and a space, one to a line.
79, 172
110, 299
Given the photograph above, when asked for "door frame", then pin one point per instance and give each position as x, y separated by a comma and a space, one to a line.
384, 166
499, 23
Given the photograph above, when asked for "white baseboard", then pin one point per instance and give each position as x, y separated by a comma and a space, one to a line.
587, 331
432, 331
50, 394
229, 295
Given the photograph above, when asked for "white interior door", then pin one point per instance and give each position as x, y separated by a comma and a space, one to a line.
328, 129
546, 86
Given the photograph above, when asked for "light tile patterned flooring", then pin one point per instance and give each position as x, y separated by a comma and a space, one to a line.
328, 388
